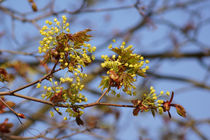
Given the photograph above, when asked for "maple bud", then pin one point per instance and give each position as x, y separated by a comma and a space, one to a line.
21, 115
180, 110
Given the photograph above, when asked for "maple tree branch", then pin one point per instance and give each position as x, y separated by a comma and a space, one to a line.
66, 106
30, 84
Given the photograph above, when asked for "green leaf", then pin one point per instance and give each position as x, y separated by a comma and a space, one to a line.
104, 82
113, 92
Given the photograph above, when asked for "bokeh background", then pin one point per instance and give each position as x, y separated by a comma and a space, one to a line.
173, 35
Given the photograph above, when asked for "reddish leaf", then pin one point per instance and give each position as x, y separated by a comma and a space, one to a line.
79, 121
180, 110
10, 103
135, 102
166, 106
58, 97
80, 37
33, 5
5, 126
136, 111
3, 75
2, 106
113, 75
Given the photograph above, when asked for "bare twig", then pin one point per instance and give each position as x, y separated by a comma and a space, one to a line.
102, 95
17, 114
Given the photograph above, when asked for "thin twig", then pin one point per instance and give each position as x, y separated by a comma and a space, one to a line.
28, 85
17, 114
102, 95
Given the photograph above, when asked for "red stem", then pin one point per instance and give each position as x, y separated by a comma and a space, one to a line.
172, 96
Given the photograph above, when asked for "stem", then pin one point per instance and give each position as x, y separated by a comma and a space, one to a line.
102, 95
28, 85
94, 104
172, 96
106, 104
66, 106
10, 109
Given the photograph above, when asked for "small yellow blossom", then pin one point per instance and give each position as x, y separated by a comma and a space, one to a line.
38, 85
110, 46
160, 101
141, 58
51, 114
160, 110
49, 88
94, 49
67, 29
58, 23
65, 118
147, 61
168, 93
45, 87
57, 109
47, 21
67, 24
43, 96
64, 17
155, 97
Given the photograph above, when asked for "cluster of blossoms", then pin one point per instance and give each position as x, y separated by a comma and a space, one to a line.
155, 103
123, 69
60, 45
68, 51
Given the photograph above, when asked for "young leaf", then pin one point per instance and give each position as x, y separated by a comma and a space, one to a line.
10, 103
3, 75
5, 126
136, 111
79, 121
80, 37
180, 110
141, 73
153, 112
2, 106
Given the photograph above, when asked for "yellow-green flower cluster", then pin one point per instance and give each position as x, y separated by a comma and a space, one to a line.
73, 113
70, 51
70, 95
50, 33
126, 58
58, 44
123, 67
153, 100
58, 94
